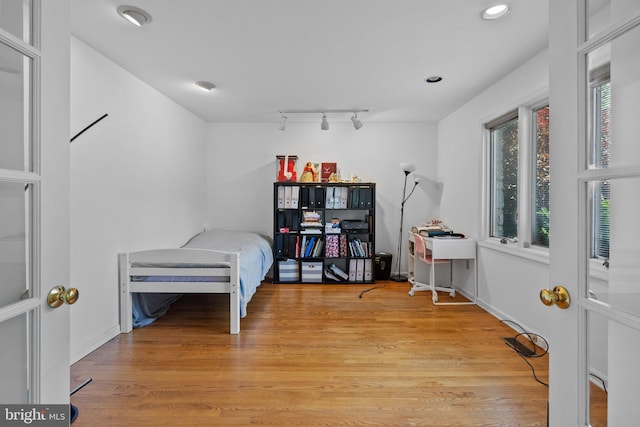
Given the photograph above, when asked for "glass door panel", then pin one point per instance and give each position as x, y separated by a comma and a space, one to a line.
601, 14
15, 360
15, 107
598, 367
15, 18
15, 238
614, 259
614, 95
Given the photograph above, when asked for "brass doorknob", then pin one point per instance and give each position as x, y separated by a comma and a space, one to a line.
59, 295
558, 296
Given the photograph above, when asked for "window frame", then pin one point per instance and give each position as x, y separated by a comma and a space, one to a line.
522, 245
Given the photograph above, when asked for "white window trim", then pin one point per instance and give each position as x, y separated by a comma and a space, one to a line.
522, 247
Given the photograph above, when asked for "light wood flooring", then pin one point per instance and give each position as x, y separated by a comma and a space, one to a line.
314, 355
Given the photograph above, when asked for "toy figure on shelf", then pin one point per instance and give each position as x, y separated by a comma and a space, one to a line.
287, 168
308, 173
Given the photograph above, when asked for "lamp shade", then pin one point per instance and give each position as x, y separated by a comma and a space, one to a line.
408, 167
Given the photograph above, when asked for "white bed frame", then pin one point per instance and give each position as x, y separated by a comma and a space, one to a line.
226, 268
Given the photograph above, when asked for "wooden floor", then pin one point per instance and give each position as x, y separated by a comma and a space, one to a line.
314, 355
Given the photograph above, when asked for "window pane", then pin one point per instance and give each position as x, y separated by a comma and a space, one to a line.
504, 180
603, 13
14, 361
601, 208
15, 18
14, 237
614, 88
601, 128
15, 119
616, 280
541, 178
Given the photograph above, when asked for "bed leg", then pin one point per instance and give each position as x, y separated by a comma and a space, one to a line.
126, 310
234, 297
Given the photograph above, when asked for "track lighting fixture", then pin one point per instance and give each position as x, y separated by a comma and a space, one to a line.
283, 123
356, 123
135, 15
324, 124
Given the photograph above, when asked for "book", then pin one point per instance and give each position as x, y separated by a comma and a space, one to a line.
338, 272
327, 169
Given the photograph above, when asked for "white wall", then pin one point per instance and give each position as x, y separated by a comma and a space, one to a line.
137, 182
508, 282
241, 169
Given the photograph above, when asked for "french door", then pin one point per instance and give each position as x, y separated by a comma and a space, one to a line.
594, 60
34, 199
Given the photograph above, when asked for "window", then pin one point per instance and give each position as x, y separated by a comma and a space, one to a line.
519, 180
601, 147
541, 177
504, 177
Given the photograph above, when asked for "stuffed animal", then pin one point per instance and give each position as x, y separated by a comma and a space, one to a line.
307, 173
287, 173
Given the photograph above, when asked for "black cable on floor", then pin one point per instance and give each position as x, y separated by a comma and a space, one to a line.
370, 289
518, 347
604, 384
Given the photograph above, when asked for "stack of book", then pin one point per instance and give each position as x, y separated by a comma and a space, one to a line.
311, 223
333, 227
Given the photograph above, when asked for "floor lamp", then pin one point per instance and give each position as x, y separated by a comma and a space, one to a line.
407, 168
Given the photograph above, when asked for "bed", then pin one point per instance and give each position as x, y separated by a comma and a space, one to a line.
215, 261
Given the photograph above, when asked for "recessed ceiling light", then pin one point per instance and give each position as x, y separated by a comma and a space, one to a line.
433, 79
495, 11
206, 86
135, 15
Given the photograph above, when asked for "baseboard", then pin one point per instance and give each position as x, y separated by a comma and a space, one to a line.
94, 344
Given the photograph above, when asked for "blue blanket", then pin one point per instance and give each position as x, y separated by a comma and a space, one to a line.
255, 261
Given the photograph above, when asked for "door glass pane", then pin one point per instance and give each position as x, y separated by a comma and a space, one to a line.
614, 273
15, 18
604, 13
15, 236
598, 369
14, 360
612, 373
614, 94
15, 106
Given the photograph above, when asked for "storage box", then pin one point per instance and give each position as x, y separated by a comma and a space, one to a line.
311, 271
383, 266
288, 270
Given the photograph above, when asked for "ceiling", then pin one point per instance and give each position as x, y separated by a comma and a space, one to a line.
267, 56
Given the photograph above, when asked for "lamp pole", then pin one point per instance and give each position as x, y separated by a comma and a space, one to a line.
407, 170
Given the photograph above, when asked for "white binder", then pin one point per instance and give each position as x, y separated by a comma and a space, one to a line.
295, 195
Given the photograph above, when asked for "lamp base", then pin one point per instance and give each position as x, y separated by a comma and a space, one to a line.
398, 278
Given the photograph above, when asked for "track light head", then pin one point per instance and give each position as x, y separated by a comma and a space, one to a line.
283, 124
324, 125
356, 123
